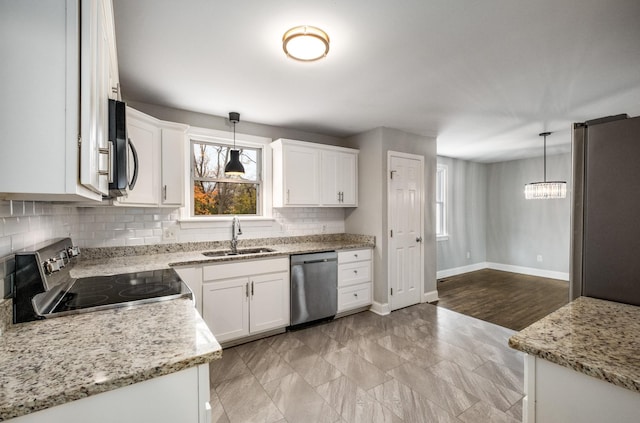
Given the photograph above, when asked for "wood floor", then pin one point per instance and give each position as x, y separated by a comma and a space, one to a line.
511, 300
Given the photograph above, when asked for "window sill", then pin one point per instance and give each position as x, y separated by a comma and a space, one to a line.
442, 238
224, 221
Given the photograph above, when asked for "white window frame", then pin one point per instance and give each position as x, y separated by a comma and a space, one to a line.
187, 219
442, 179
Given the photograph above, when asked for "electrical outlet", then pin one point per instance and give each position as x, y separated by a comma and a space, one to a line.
169, 234
539, 258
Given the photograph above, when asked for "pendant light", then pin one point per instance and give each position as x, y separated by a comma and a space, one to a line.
234, 167
545, 190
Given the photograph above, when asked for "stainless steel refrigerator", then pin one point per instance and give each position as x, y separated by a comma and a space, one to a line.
605, 239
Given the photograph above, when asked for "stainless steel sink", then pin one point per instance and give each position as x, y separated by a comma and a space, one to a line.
240, 252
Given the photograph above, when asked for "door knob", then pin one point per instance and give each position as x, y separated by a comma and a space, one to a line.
419, 239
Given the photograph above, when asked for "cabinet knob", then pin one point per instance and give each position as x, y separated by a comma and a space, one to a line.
355, 271
355, 255
355, 294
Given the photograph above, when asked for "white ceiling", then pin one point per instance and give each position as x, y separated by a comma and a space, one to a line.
485, 77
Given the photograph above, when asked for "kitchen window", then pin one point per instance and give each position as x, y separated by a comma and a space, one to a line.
215, 194
441, 202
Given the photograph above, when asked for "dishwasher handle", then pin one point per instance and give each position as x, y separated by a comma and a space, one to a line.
318, 261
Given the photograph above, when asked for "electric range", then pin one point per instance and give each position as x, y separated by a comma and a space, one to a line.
44, 288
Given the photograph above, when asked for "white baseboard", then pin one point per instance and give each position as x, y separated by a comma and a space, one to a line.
460, 270
529, 271
429, 297
380, 308
505, 267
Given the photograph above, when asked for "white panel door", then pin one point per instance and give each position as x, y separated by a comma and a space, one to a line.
406, 211
269, 302
225, 308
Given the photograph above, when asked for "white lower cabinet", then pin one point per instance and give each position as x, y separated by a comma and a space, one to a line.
177, 397
355, 279
555, 393
245, 297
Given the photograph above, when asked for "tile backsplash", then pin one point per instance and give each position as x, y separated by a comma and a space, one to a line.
24, 223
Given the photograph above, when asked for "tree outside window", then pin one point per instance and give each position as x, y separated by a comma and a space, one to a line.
216, 194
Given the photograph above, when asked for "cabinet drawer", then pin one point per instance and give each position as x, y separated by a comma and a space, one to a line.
239, 268
354, 273
354, 255
354, 296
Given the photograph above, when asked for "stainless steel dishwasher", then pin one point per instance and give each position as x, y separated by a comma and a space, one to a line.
314, 287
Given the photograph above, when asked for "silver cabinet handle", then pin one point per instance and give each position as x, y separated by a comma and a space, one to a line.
164, 193
246, 289
251, 288
287, 196
109, 152
338, 196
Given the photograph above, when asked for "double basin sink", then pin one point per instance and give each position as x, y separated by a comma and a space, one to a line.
240, 252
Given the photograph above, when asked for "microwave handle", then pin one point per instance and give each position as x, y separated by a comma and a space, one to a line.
134, 179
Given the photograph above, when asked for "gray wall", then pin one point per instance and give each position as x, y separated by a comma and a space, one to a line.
466, 214
371, 215
517, 229
222, 124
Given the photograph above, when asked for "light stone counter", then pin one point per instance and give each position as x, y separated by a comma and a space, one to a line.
596, 337
115, 260
55, 361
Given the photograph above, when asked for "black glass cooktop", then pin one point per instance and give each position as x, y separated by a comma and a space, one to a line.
124, 289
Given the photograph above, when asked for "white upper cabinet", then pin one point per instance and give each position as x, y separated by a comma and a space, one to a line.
159, 147
173, 173
339, 178
59, 70
314, 175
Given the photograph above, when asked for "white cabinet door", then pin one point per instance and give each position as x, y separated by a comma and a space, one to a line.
269, 301
177, 397
225, 308
348, 179
95, 88
338, 178
301, 176
173, 146
145, 137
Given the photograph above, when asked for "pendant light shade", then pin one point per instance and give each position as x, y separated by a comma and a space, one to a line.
234, 167
546, 189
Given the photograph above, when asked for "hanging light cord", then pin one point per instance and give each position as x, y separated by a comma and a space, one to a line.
544, 134
545, 151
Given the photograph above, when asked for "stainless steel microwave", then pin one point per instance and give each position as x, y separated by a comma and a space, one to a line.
124, 165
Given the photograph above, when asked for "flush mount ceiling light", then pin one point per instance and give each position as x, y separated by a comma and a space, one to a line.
234, 167
545, 190
305, 43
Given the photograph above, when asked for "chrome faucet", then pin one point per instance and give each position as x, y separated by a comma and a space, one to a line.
235, 231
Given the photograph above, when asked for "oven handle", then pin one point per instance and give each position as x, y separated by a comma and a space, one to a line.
134, 179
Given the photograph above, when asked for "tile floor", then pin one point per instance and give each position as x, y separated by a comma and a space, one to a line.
419, 364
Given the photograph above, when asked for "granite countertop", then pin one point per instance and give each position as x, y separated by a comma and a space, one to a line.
596, 337
115, 260
50, 362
